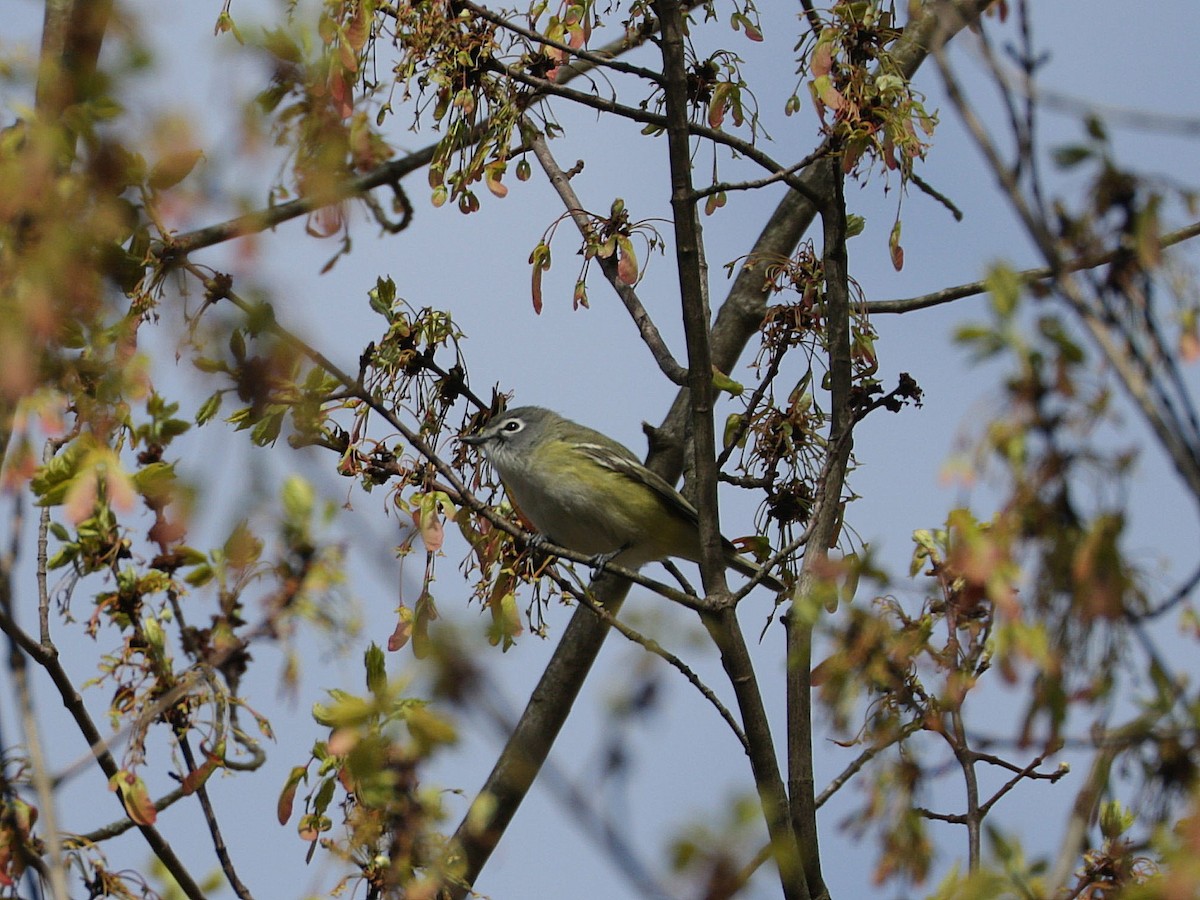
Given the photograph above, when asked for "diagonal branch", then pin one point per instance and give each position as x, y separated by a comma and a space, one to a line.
596, 59
1027, 276
651, 336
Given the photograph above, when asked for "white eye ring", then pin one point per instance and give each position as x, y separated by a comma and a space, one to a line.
512, 426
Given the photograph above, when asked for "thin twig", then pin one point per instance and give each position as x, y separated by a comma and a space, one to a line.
73, 702
773, 178
1027, 773
388, 173
862, 759
1026, 276
671, 659
636, 114
214, 829
1133, 379
455, 486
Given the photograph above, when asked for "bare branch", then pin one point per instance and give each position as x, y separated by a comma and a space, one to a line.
1026, 276
210, 820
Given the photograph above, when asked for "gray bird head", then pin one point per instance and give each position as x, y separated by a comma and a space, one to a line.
515, 432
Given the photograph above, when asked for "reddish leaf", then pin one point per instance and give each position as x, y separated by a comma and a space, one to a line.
287, 797
716, 106
492, 176
627, 265
81, 496
309, 828
404, 630
193, 780
325, 222
134, 796
347, 57
358, 29
340, 93
894, 247
822, 59
428, 520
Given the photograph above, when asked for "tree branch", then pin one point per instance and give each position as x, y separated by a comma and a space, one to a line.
1026, 276
722, 626
651, 336
47, 658
388, 173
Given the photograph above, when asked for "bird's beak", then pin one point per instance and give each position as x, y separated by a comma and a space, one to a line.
473, 439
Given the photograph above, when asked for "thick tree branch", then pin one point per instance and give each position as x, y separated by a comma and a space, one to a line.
522, 757
827, 517
722, 626
693, 292
727, 634
72, 33
54, 871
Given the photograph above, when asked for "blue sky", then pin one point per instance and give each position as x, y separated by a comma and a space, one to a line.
683, 765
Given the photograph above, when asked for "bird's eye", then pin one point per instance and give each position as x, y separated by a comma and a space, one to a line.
512, 426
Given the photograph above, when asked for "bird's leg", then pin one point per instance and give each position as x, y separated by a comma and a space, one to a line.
600, 560
536, 540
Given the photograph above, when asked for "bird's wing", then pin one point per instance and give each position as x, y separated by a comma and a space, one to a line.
617, 459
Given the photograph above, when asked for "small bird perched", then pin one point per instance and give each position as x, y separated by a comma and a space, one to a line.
586, 492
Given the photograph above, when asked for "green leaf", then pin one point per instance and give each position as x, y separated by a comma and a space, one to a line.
209, 408
154, 480
199, 576
1071, 155
298, 499
212, 366
1004, 289
376, 667
267, 430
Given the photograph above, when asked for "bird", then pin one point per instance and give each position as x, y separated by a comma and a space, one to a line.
584, 491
